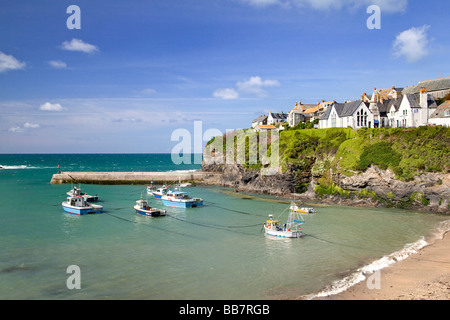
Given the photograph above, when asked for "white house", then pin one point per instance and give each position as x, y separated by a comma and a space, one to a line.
261, 120
355, 114
295, 116
274, 118
441, 115
413, 111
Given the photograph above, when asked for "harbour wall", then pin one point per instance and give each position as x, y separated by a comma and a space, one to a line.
112, 178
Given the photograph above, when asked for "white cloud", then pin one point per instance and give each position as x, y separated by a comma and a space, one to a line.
262, 3
226, 94
388, 6
8, 62
149, 91
79, 45
135, 120
16, 129
51, 107
58, 64
255, 85
412, 44
27, 125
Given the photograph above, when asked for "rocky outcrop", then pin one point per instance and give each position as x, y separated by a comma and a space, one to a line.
374, 187
244, 179
429, 190
236, 176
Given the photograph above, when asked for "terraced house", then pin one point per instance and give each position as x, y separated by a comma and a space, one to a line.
394, 107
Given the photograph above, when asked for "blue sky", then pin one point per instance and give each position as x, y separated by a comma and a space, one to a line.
138, 70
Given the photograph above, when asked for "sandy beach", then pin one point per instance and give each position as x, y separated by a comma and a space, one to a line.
424, 275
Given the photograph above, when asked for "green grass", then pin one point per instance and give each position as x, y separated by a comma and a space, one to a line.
406, 151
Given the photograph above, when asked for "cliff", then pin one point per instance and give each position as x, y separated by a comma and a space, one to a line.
404, 168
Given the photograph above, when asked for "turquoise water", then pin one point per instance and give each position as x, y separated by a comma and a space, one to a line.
214, 252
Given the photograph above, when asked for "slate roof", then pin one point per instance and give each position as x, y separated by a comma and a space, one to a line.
392, 102
440, 111
385, 106
279, 116
260, 119
414, 100
431, 85
326, 114
343, 109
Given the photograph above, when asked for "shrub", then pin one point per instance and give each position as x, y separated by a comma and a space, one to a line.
380, 154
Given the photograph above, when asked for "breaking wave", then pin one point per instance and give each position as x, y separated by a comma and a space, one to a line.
17, 167
361, 274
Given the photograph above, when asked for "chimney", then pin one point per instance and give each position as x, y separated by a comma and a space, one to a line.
423, 98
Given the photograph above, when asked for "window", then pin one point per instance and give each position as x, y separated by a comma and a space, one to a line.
365, 119
333, 120
357, 119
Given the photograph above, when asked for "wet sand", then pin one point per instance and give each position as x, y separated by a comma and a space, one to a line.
422, 276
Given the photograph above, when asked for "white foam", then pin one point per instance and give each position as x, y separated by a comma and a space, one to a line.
360, 274
17, 167
184, 171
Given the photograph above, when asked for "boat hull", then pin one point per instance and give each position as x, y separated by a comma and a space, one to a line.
182, 204
150, 213
282, 233
157, 195
81, 210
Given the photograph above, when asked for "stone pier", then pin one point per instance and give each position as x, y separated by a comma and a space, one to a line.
135, 177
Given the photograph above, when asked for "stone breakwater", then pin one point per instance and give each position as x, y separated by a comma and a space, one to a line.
135, 177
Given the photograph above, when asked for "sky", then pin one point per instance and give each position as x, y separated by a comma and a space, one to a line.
124, 76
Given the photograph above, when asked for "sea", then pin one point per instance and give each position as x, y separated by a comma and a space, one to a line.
215, 252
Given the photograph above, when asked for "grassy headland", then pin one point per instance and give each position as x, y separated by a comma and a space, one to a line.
326, 156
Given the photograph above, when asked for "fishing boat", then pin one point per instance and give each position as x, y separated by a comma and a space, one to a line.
79, 206
290, 229
160, 192
151, 188
75, 192
142, 208
179, 199
305, 210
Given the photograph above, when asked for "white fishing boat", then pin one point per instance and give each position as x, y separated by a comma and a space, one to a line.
290, 229
305, 210
79, 206
186, 184
142, 208
151, 188
75, 192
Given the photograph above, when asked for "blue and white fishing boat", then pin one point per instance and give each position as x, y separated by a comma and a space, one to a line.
290, 229
142, 208
160, 192
79, 206
180, 199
